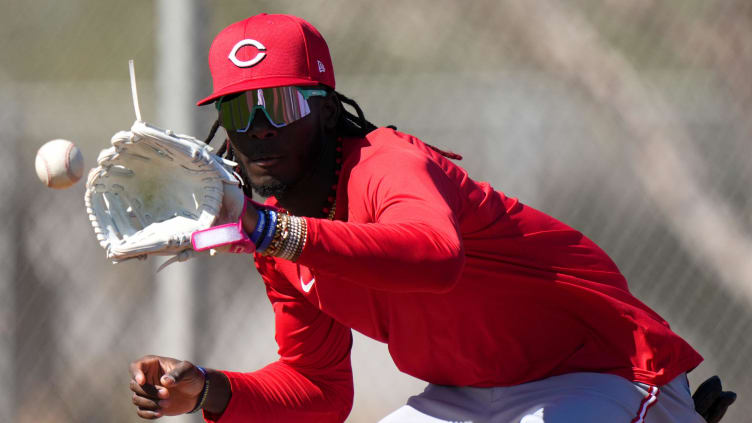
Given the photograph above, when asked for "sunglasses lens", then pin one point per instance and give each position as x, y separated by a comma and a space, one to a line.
234, 114
281, 105
284, 105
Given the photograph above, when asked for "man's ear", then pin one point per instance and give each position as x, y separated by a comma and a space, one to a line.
330, 111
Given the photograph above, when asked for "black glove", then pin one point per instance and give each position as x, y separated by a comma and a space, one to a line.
711, 401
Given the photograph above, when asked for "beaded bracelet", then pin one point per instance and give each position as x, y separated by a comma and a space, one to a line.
289, 238
288, 245
296, 239
303, 237
204, 392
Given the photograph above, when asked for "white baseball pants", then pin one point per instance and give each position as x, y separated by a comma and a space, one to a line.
570, 398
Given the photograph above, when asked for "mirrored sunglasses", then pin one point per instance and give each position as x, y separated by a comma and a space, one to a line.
281, 105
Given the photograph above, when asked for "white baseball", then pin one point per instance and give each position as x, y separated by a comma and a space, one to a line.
59, 164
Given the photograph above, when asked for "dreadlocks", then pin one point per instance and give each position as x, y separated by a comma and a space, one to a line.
348, 125
358, 126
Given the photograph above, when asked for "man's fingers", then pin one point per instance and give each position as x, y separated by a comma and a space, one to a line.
148, 390
137, 372
148, 414
147, 408
145, 403
148, 375
182, 371
146, 369
150, 369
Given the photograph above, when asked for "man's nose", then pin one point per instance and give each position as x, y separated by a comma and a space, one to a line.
261, 128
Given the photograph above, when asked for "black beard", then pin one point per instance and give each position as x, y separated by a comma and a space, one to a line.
277, 188
274, 189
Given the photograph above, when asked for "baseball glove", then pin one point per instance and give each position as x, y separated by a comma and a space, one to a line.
153, 188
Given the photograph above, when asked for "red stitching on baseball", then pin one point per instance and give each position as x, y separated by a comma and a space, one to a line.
46, 172
68, 170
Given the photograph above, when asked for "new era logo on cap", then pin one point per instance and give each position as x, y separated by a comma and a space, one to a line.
266, 51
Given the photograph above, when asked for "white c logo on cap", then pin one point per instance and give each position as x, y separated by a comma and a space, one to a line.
247, 64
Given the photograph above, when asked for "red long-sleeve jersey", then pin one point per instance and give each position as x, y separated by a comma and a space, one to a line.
467, 286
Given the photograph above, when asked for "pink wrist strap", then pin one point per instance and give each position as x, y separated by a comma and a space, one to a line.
230, 234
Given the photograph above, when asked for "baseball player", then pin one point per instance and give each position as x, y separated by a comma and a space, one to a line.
508, 314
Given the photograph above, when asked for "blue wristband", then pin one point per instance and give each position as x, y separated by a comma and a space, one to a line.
269, 234
260, 226
262, 233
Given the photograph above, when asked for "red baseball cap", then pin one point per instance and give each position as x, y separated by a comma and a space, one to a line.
266, 51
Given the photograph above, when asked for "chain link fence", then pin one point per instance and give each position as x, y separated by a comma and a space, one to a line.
629, 120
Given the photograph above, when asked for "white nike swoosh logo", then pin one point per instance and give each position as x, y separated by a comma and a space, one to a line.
307, 286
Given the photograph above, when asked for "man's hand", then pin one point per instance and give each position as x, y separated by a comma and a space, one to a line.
164, 386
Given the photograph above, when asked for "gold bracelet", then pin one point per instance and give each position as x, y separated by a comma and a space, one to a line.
279, 233
290, 242
301, 240
289, 237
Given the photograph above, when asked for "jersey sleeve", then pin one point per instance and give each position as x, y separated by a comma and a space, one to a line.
403, 235
312, 380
